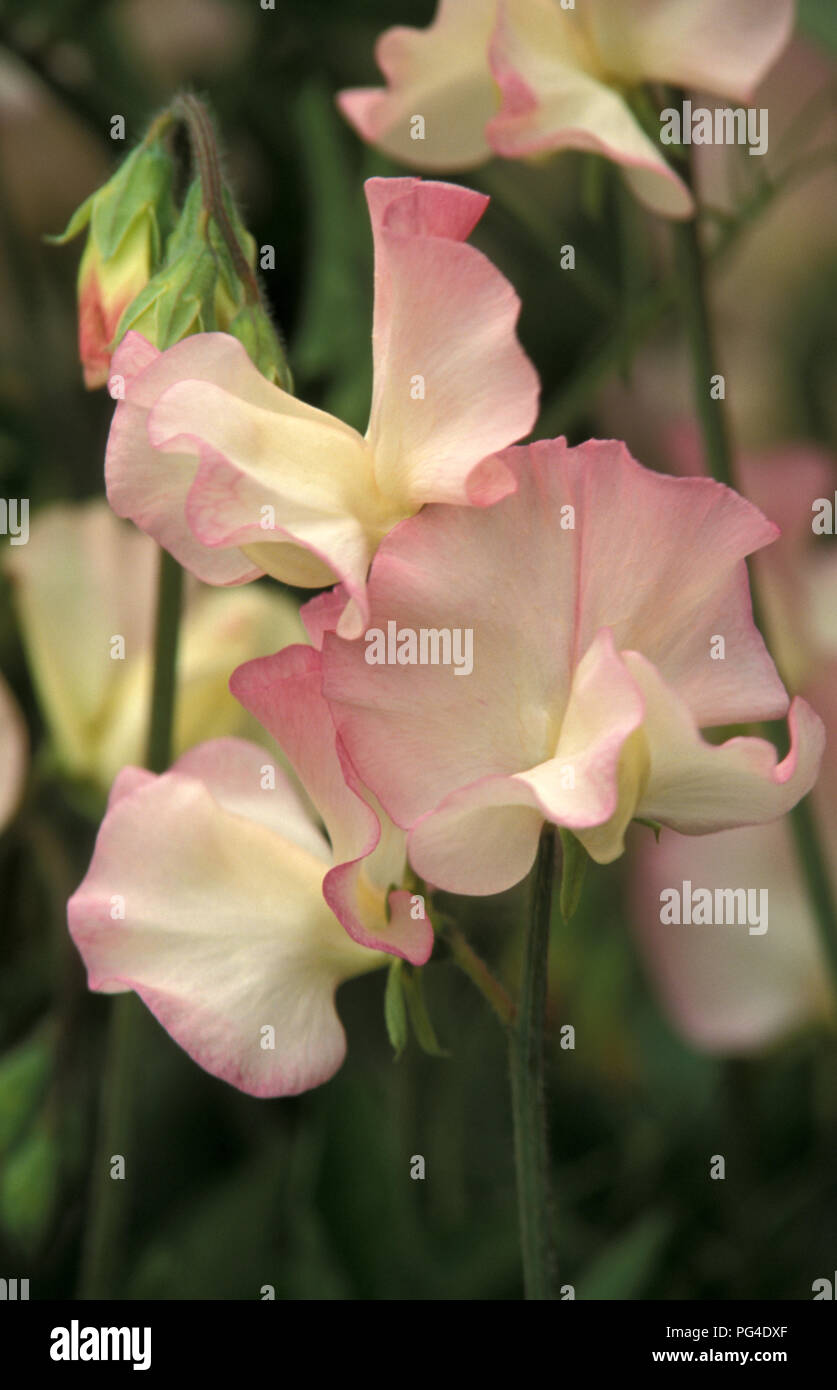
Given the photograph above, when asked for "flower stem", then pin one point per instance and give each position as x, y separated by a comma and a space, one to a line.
694, 300
110, 1196
479, 974
526, 1043
691, 264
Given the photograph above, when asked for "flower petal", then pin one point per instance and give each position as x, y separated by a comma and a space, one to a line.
698, 787
553, 99
589, 540
284, 693
81, 565
451, 382
13, 754
711, 45
149, 487
289, 484
440, 74
225, 933
483, 838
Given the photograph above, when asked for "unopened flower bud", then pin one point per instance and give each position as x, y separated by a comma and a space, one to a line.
128, 219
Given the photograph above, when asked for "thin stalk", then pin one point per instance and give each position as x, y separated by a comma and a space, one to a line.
472, 965
110, 1198
526, 1045
695, 304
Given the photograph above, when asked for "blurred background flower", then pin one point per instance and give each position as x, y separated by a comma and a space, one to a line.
84, 592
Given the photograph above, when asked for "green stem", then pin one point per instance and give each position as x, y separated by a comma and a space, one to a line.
695, 304
479, 974
167, 629
110, 1196
812, 861
809, 847
527, 1085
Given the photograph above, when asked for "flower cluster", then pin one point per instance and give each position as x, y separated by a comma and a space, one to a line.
510, 636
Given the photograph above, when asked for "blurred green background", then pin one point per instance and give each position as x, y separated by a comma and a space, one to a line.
314, 1195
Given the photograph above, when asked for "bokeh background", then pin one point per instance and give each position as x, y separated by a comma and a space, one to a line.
313, 1195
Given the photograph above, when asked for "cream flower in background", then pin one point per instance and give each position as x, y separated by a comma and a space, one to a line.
527, 77
86, 580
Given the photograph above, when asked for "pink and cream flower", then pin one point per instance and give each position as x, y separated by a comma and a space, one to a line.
596, 595
237, 478
215, 895
528, 77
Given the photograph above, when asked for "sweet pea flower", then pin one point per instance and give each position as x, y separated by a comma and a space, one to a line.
237, 478
86, 580
528, 77
595, 597
214, 894
13, 752
722, 988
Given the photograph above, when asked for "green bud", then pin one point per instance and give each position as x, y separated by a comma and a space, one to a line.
127, 221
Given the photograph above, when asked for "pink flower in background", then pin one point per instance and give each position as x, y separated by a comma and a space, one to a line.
725, 989
229, 890
13, 754
527, 77
595, 596
236, 478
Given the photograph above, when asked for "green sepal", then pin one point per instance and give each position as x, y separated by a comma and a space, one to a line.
76, 224
395, 1012
573, 869
253, 329
652, 825
142, 185
417, 1010
176, 302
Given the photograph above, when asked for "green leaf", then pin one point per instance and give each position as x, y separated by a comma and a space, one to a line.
28, 1188
395, 1012
417, 1010
573, 869
24, 1073
626, 1265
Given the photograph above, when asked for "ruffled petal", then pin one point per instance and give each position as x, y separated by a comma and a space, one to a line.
555, 95
483, 838
452, 384
711, 45
697, 787
284, 692
147, 486
440, 74
225, 933
589, 540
